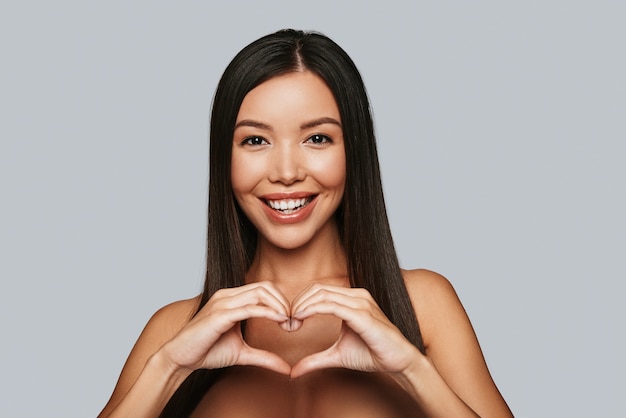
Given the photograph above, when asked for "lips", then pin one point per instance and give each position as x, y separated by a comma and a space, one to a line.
291, 208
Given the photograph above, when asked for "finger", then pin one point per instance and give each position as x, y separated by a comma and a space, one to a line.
291, 325
273, 289
256, 293
360, 320
352, 297
323, 360
315, 287
221, 321
261, 293
242, 313
250, 356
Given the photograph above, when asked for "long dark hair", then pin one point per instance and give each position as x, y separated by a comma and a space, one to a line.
361, 217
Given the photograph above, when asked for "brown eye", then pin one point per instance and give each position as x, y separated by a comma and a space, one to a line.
319, 139
254, 140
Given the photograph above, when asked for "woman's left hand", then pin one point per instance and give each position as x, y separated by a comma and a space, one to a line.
368, 341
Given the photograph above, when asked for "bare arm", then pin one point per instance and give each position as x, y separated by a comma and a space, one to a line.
172, 346
451, 346
153, 370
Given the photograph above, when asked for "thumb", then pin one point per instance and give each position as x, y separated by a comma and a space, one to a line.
255, 357
322, 360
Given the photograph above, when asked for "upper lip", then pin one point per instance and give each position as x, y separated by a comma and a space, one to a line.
285, 196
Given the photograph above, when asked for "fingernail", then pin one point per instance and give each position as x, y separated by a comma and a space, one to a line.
296, 324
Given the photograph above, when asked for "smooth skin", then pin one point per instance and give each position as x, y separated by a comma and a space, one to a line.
288, 146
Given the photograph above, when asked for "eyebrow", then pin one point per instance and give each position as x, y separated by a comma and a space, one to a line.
307, 125
320, 121
253, 124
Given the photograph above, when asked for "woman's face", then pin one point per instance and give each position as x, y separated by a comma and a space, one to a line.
288, 159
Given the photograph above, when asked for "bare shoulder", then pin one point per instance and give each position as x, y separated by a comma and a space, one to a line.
433, 298
451, 343
421, 283
162, 326
168, 320
437, 306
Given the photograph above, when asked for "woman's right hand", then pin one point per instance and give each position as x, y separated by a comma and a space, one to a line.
213, 339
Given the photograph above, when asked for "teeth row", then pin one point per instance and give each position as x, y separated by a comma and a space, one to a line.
289, 204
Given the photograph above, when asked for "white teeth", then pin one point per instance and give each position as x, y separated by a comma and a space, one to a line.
287, 204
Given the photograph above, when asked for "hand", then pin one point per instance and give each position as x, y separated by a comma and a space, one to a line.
212, 339
368, 340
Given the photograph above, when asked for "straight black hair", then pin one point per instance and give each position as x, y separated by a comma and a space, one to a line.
361, 217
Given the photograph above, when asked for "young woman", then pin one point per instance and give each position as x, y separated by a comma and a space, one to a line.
305, 311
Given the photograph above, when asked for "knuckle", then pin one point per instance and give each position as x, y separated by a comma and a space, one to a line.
262, 291
323, 292
221, 293
362, 293
316, 287
371, 305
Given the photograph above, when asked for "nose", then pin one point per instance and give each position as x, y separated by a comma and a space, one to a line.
286, 164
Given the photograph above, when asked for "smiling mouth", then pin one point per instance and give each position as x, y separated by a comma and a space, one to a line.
288, 206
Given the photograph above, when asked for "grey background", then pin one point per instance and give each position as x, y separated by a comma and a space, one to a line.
502, 140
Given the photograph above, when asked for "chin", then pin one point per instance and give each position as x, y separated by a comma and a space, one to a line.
288, 244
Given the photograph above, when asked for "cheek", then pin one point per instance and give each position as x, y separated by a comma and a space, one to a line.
331, 170
243, 174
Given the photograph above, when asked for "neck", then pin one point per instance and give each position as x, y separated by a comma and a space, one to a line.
320, 261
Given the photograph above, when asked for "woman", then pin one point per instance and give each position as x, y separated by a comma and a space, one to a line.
305, 310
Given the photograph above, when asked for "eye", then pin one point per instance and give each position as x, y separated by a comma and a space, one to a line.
319, 139
254, 141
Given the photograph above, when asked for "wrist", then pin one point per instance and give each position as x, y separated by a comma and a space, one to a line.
161, 363
411, 377
422, 381
154, 386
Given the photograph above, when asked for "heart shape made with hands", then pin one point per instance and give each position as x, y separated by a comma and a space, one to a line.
293, 340
338, 326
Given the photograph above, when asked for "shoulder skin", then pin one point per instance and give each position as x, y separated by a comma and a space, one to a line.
451, 343
162, 326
